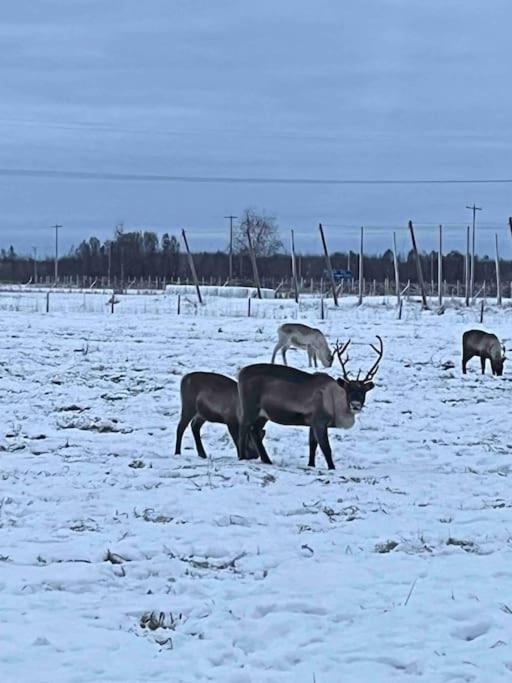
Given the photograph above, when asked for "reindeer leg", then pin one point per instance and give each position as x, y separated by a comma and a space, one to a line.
313, 443
283, 352
314, 358
197, 423
263, 453
276, 349
323, 440
256, 440
182, 425
482, 363
465, 359
243, 436
309, 356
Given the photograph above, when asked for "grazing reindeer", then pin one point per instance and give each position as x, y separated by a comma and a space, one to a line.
292, 397
485, 345
209, 397
295, 335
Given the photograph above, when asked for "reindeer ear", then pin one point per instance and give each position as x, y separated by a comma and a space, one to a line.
368, 386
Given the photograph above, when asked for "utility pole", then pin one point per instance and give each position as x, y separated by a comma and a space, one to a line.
466, 267
440, 267
109, 253
294, 271
34, 249
231, 219
474, 209
395, 263
361, 266
56, 228
498, 274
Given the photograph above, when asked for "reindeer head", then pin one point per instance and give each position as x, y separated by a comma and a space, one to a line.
498, 361
356, 388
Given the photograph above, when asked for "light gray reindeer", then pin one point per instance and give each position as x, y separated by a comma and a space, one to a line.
298, 336
485, 345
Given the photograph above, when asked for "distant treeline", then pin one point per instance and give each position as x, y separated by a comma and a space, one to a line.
142, 254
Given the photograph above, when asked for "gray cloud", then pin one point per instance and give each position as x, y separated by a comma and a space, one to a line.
366, 89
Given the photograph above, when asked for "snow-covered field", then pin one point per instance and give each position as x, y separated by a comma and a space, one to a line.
120, 562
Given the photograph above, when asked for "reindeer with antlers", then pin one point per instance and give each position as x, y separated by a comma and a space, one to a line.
291, 397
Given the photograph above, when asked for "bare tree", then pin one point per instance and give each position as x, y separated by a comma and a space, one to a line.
264, 234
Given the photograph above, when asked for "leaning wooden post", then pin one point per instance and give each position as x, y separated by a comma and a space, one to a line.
254, 264
294, 271
397, 277
466, 271
361, 277
328, 264
418, 267
192, 267
498, 274
440, 267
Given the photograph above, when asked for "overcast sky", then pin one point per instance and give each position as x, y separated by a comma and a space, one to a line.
380, 89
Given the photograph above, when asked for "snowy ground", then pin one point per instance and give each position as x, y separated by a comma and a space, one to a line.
120, 562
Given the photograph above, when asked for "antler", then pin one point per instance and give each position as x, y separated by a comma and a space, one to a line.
340, 350
373, 370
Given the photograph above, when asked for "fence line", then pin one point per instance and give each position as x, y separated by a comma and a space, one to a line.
311, 307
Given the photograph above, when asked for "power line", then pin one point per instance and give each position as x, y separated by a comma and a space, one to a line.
233, 180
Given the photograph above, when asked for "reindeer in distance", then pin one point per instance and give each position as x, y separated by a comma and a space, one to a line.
299, 336
485, 345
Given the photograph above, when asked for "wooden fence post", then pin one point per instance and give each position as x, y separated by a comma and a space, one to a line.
179, 304
418, 266
47, 302
254, 264
192, 267
249, 306
328, 264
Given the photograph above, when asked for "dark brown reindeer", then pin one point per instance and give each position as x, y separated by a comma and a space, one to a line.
210, 397
485, 345
292, 397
